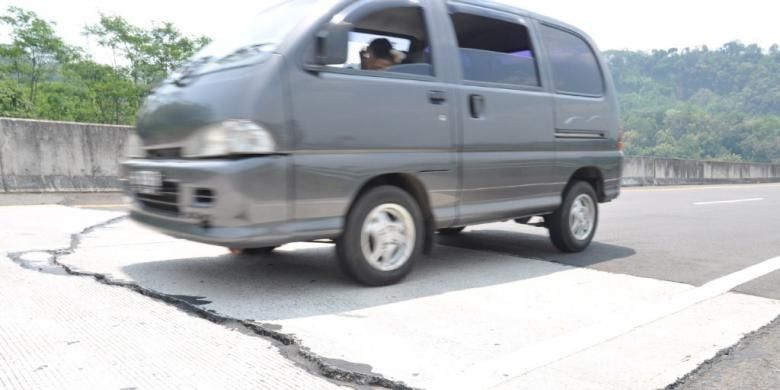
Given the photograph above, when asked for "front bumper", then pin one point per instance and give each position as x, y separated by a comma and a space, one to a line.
237, 203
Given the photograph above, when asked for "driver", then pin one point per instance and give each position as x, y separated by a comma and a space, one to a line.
378, 55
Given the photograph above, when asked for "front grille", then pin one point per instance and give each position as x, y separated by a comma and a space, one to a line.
162, 154
165, 200
204, 196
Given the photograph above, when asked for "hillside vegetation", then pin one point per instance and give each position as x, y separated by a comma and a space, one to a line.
699, 103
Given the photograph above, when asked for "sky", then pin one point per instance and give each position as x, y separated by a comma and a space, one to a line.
614, 24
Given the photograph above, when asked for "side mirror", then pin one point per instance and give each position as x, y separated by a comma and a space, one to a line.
333, 44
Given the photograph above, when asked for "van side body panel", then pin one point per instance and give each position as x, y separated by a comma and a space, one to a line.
507, 152
575, 114
587, 128
350, 127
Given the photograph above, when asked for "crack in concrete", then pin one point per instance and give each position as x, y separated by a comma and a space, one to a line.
289, 346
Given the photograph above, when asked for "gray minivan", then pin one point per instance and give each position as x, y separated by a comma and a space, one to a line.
377, 124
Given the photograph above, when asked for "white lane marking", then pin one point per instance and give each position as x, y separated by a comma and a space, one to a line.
99, 206
695, 187
729, 282
729, 201
489, 374
79, 206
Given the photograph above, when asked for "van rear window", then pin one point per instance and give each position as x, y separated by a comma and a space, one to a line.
575, 67
495, 51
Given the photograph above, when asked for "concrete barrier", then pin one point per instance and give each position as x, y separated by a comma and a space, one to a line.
45, 156
62, 157
648, 171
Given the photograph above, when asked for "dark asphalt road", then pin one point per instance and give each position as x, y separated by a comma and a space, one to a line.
752, 364
661, 233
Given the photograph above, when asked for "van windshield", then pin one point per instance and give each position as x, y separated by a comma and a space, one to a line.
263, 32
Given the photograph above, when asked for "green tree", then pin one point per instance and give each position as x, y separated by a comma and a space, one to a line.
115, 96
13, 100
42, 77
151, 54
35, 50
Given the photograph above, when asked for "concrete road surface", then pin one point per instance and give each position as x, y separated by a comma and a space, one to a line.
66, 332
676, 279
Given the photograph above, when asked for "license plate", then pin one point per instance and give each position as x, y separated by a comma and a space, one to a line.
146, 182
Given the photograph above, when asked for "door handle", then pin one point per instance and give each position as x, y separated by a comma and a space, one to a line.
476, 106
437, 97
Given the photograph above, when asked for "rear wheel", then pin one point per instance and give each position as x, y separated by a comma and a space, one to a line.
573, 225
382, 238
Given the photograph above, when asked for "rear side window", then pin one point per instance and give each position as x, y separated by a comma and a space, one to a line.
574, 65
495, 51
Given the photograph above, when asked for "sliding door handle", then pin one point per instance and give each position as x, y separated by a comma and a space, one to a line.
437, 97
476, 106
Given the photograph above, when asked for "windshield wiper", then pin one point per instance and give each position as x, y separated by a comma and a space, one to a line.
188, 71
185, 75
245, 51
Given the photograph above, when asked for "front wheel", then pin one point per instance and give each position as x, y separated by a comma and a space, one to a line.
573, 225
382, 238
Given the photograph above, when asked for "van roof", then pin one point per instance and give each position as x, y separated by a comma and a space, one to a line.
501, 6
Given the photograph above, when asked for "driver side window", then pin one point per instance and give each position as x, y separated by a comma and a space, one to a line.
390, 40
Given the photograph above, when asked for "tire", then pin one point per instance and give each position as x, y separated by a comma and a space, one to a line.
453, 231
570, 232
383, 237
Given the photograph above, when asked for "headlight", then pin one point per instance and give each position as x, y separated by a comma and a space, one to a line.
134, 148
229, 138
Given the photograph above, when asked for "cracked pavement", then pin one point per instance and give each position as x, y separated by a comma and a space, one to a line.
62, 331
291, 348
494, 308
